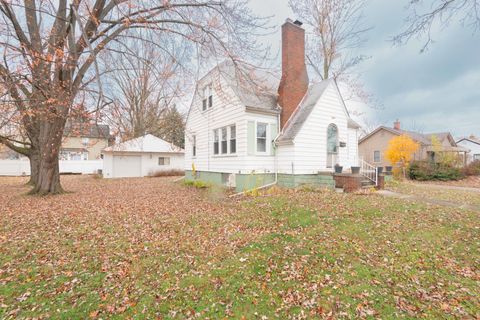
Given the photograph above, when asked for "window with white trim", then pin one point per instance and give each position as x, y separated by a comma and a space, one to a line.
376, 156
233, 139
207, 100
194, 146
163, 161
476, 157
261, 137
215, 141
224, 140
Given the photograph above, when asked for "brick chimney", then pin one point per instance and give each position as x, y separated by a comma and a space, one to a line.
294, 82
396, 125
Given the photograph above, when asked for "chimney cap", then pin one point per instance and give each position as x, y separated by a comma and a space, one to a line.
298, 23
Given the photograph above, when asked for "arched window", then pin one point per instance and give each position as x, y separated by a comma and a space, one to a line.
332, 145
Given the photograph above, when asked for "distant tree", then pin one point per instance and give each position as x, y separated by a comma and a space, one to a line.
425, 14
49, 56
338, 29
172, 127
144, 84
400, 151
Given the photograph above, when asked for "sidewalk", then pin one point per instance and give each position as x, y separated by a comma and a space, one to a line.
392, 194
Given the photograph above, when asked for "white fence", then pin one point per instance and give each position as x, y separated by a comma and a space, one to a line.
22, 167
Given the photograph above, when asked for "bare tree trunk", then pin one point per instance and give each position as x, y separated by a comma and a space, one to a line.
34, 166
48, 177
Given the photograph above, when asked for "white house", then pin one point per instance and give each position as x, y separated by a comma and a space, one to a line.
473, 144
141, 157
245, 128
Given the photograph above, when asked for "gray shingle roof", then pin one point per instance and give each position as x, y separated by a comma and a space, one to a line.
255, 88
87, 130
423, 138
304, 109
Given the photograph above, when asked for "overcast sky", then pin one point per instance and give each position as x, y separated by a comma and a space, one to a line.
438, 90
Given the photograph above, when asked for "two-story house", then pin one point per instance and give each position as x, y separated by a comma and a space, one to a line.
246, 129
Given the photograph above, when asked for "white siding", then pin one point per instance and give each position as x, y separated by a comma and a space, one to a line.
352, 148
149, 162
473, 147
311, 140
227, 110
286, 158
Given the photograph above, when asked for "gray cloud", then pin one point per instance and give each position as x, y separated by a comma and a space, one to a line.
436, 91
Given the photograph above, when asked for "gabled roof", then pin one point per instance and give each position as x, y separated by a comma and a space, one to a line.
424, 139
301, 113
471, 139
87, 130
256, 88
305, 108
147, 143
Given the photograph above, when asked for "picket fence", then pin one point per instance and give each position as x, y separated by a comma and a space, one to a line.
22, 167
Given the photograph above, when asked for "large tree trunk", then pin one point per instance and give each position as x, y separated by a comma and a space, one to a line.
48, 177
34, 167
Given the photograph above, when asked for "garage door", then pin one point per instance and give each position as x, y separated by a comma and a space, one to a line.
127, 166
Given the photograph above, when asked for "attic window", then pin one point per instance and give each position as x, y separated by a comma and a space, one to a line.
207, 101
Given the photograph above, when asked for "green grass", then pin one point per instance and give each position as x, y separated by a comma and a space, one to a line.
426, 191
286, 255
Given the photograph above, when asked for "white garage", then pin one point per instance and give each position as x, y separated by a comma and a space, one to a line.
141, 157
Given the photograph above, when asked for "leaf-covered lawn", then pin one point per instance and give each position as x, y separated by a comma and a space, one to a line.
151, 248
436, 193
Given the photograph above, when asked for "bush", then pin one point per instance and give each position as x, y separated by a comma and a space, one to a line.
167, 173
425, 170
472, 169
199, 184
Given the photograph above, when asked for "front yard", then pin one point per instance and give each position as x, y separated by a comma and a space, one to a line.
151, 248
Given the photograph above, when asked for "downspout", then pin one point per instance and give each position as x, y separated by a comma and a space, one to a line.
275, 165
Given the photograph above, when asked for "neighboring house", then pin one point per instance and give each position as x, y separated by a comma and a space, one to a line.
81, 141
141, 157
373, 146
256, 130
473, 144
84, 141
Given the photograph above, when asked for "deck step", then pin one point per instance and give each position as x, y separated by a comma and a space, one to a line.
367, 184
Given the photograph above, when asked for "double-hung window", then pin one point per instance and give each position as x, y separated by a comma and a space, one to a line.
376, 156
163, 161
261, 137
207, 100
224, 140
194, 146
215, 142
233, 139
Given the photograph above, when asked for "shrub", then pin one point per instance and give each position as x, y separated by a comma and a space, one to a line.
199, 184
472, 169
167, 173
424, 171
